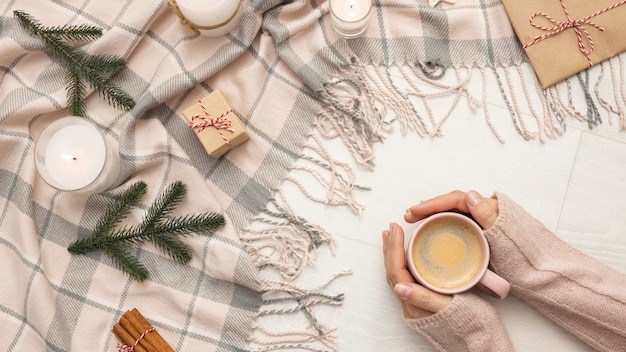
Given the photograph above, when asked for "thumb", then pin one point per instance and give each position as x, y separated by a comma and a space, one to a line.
484, 211
420, 297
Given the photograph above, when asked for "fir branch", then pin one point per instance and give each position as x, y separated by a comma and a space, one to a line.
75, 90
126, 262
83, 66
105, 88
173, 247
75, 33
155, 226
105, 63
164, 204
114, 215
179, 226
190, 224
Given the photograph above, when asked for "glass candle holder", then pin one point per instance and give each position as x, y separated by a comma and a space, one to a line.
208, 18
73, 155
350, 18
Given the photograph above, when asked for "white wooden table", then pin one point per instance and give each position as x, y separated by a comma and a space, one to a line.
575, 185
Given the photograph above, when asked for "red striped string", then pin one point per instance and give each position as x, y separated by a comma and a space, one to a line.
126, 348
220, 123
576, 25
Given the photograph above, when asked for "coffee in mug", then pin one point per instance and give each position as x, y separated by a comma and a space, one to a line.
448, 253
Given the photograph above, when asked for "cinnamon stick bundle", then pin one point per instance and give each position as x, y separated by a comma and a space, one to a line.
130, 328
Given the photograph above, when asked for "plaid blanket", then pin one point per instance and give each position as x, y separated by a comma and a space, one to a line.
284, 69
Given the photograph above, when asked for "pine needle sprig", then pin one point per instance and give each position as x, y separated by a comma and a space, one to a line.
67, 32
75, 88
106, 63
164, 205
157, 226
91, 68
173, 247
125, 261
120, 209
179, 226
81, 32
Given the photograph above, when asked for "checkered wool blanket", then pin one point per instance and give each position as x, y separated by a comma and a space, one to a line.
286, 71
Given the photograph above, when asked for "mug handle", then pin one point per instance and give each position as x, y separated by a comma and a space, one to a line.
494, 285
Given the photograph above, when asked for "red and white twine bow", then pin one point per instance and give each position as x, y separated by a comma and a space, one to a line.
220, 123
126, 348
576, 25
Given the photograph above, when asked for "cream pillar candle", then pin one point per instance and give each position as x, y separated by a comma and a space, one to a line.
350, 17
209, 18
72, 155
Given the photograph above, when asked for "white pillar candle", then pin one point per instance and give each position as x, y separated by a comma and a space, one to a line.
350, 17
210, 18
72, 155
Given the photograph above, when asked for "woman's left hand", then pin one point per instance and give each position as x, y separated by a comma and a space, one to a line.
417, 301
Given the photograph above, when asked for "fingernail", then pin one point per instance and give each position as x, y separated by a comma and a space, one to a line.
402, 290
474, 198
392, 229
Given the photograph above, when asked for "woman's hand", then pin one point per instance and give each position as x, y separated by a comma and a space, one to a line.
483, 210
417, 301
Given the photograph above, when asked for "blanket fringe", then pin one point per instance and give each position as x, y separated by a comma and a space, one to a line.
281, 240
285, 242
619, 91
363, 101
289, 298
338, 184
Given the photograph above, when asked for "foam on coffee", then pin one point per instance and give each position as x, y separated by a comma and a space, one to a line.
447, 254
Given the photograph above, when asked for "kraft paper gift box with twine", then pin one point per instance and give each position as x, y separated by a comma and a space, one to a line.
564, 37
216, 123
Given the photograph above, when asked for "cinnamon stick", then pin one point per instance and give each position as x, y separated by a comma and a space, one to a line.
154, 337
137, 331
132, 325
126, 338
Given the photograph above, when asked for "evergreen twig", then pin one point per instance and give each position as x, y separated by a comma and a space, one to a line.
114, 215
156, 227
163, 205
80, 65
126, 262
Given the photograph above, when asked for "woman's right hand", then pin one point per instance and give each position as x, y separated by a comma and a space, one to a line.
483, 210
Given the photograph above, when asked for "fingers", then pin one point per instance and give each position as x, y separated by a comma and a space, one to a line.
421, 297
393, 250
454, 200
395, 266
483, 210
417, 301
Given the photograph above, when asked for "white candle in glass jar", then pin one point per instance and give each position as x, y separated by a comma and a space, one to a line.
212, 18
350, 17
72, 155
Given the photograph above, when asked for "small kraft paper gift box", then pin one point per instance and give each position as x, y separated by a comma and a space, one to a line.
564, 37
216, 123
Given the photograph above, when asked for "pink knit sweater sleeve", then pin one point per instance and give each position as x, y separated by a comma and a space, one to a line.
467, 324
582, 294
578, 292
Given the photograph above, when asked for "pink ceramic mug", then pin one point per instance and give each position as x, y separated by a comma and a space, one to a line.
448, 253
